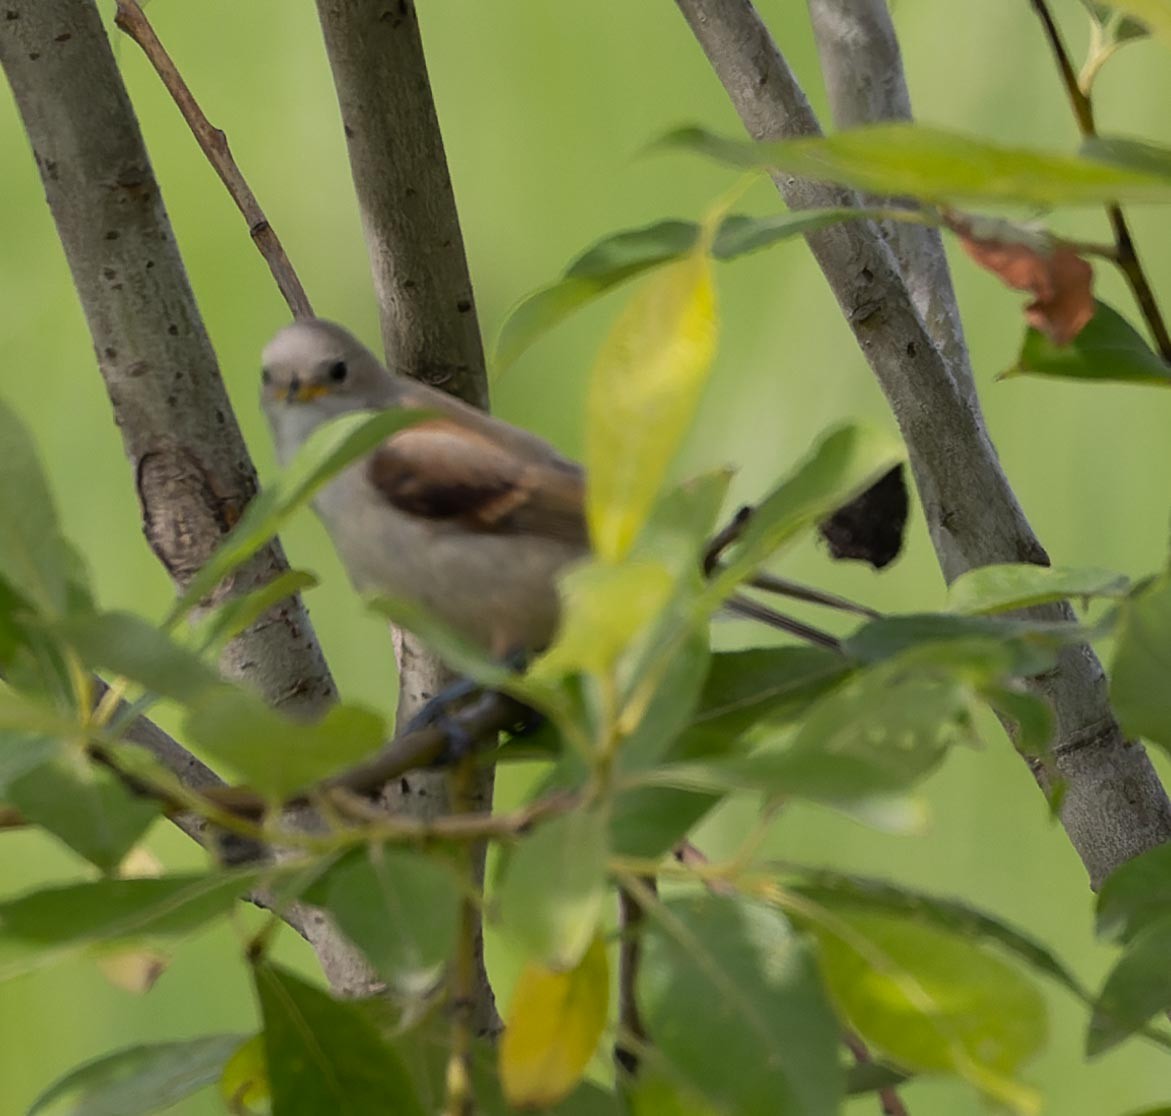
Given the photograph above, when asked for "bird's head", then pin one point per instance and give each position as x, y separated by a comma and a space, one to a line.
317, 364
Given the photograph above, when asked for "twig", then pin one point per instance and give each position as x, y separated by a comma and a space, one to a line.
461, 1096
768, 583
754, 610
892, 1104
1126, 256
131, 19
410, 751
631, 917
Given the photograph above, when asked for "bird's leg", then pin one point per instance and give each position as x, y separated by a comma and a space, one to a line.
441, 712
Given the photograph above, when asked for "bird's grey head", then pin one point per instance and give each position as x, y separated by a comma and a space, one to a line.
319, 362
313, 371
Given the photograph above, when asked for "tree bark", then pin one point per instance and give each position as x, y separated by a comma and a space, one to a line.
191, 468
862, 66
1114, 806
428, 314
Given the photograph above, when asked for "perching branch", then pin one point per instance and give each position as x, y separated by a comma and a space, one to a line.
1126, 255
425, 301
131, 19
1114, 807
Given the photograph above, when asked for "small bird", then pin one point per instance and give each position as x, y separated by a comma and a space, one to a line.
461, 513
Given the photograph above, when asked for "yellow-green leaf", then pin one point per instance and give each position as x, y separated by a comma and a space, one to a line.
933, 1000
643, 394
243, 1086
604, 608
553, 1028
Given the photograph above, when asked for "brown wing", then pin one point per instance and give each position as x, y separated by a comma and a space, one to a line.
439, 469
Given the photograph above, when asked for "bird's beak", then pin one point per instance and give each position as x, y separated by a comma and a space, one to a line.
294, 392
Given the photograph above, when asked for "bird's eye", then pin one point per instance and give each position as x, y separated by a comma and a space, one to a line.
338, 371
265, 376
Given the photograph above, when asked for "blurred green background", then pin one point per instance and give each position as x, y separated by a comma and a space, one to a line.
545, 109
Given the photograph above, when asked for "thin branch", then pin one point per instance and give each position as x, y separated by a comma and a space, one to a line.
1126, 255
632, 1033
888, 1097
794, 590
754, 610
1114, 807
131, 19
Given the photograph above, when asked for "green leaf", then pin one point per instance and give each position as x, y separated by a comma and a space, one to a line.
1109, 348
24, 715
935, 165
931, 1000
1142, 664
655, 1094
649, 821
611, 261
1135, 895
731, 996
742, 687
1032, 715
1137, 988
739, 235
324, 1055
1021, 585
842, 464
764, 684
887, 727
34, 556
554, 886
44, 926
605, 608
554, 1024
237, 614
1127, 152
84, 806
399, 907
981, 646
21, 753
328, 450
124, 644
622, 256
139, 1080
643, 394
275, 754
651, 725
837, 892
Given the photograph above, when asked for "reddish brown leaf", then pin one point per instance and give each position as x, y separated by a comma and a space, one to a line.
1060, 281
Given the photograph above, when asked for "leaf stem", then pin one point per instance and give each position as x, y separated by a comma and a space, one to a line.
1126, 256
